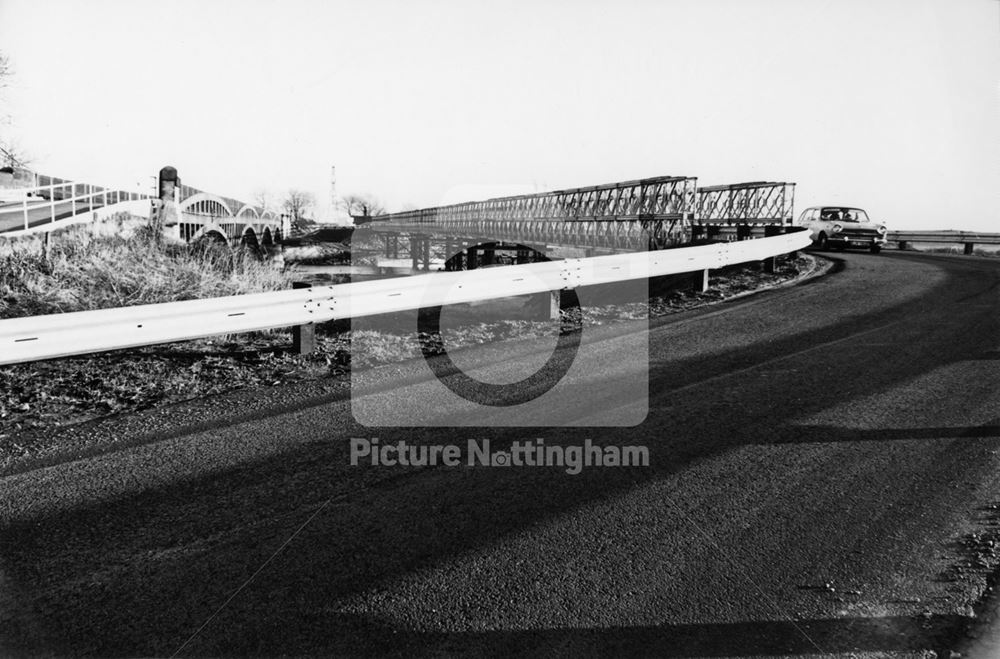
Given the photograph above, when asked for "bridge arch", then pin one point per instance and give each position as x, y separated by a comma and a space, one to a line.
204, 203
266, 237
210, 238
248, 213
249, 239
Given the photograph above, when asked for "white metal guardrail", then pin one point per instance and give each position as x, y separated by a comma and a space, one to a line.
60, 335
945, 237
968, 239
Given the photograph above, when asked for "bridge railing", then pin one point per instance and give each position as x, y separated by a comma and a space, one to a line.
59, 335
56, 201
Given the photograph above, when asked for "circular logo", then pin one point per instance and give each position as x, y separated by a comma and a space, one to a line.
515, 393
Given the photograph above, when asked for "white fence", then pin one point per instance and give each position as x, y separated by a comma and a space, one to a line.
43, 208
60, 335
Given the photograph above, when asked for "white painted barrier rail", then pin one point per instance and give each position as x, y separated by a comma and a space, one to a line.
81, 332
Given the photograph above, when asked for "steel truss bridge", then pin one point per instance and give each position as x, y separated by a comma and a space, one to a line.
652, 213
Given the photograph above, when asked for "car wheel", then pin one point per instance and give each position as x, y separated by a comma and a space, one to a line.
875, 249
822, 243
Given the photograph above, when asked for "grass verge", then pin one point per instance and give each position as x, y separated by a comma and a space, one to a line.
81, 269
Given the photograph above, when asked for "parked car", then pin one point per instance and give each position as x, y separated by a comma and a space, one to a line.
840, 227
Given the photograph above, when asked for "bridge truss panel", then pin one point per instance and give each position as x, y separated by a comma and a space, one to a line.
624, 216
665, 195
758, 202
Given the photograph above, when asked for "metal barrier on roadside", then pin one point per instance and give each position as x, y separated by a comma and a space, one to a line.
967, 239
81, 332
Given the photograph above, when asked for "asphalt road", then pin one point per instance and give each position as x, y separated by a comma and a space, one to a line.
824, 479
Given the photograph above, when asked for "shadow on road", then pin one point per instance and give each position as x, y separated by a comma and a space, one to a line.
138, 576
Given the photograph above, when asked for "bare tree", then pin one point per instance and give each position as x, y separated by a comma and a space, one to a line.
5, 70
263, 198
363, 204
297, 204
11, 154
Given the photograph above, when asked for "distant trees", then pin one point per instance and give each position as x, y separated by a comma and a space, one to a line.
357, 204
298, 203
11, 154
263, 199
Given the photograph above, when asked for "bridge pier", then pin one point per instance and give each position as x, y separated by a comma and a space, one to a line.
420, 251
391, 241
471, 258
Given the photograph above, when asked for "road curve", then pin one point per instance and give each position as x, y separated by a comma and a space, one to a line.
824, 479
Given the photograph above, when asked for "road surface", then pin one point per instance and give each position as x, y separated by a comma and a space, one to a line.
824, 478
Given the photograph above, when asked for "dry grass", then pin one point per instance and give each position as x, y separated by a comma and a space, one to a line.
82, 269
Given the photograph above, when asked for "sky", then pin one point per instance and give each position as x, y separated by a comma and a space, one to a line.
893, 106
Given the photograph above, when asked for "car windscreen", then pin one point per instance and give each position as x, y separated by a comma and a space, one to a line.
842, 214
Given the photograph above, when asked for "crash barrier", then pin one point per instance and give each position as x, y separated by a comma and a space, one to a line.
60, 335
968, 239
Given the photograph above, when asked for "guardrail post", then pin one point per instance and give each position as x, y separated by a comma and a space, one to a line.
772, 261
414, 253
792, 255
548, 305
969, 248
699, 281
303, 336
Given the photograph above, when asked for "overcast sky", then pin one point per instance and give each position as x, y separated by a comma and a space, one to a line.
889, 105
